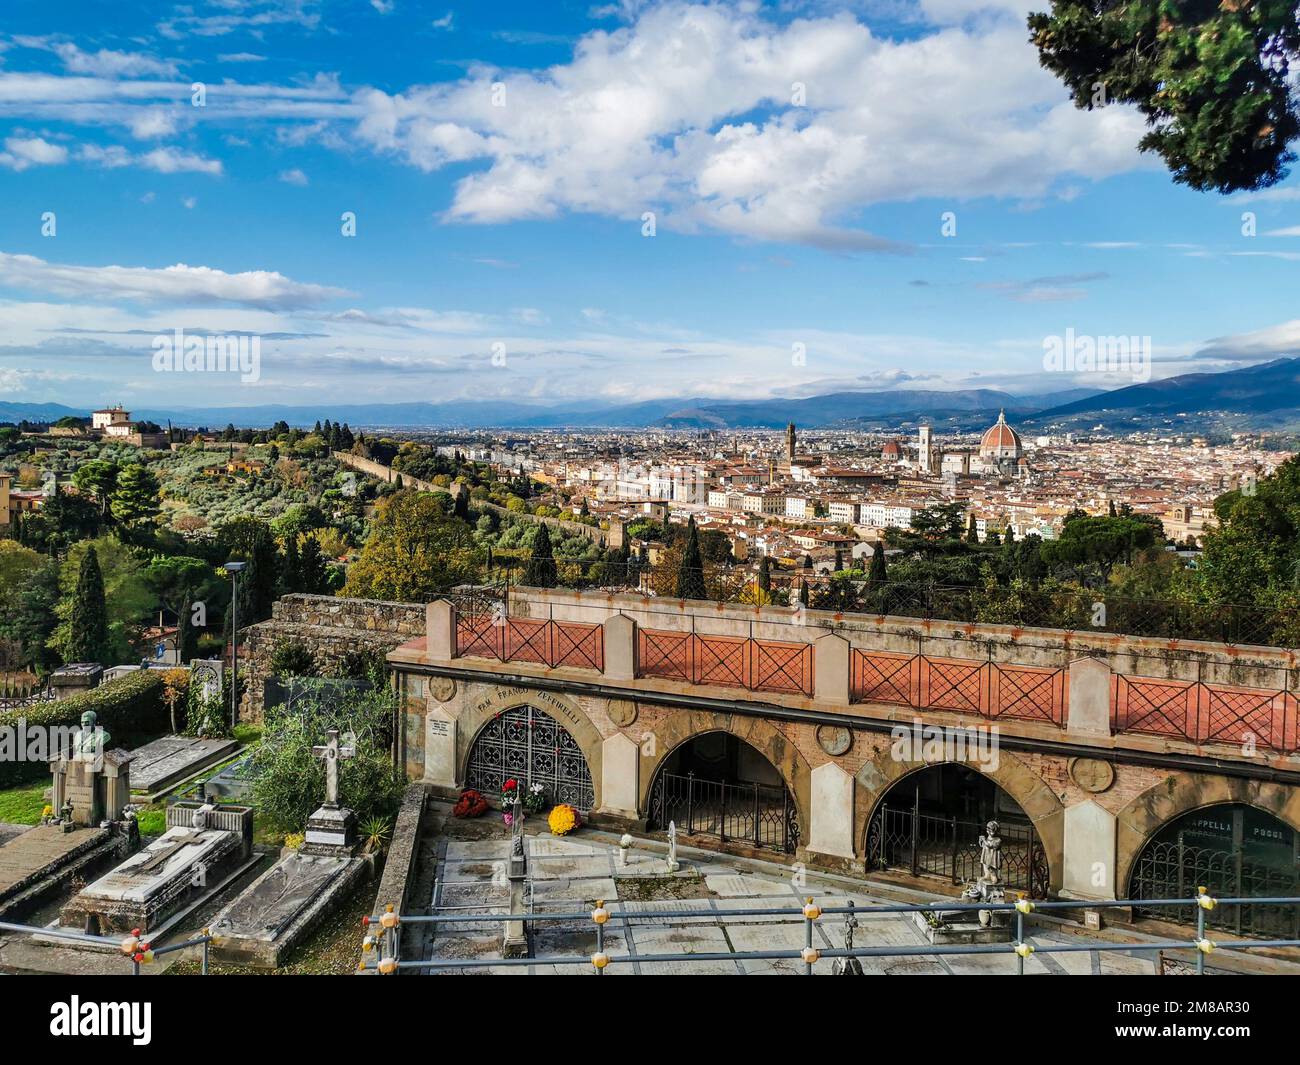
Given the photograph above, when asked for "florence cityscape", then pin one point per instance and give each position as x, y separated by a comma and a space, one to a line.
650, 488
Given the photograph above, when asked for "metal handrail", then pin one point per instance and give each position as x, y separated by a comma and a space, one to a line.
388, 963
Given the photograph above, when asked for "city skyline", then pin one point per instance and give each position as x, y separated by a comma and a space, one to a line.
801, 162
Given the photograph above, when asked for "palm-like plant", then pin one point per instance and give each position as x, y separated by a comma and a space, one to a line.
376, 834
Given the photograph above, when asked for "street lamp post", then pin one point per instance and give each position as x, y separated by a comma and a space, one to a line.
234, 569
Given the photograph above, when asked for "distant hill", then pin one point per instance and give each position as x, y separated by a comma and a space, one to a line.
38, 412
834, 410
863, 410
1266, 395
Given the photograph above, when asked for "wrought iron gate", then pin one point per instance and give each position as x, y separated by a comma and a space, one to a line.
1175, 869
530, 746
760, 815
948, 847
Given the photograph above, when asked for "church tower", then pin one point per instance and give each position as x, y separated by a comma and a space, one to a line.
789, 444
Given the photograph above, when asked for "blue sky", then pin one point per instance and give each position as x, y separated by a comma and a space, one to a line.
798, 159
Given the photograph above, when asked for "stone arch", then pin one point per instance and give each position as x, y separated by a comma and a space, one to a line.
565, 711
1182, 793
681, 726
1012, 775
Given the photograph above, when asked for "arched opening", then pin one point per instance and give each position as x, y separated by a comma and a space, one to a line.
928, 824
1231, 849
528, 745
717, 785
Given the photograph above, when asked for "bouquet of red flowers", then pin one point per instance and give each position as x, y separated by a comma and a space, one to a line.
470, 804
509, 792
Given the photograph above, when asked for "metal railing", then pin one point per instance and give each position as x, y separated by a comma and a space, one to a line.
134, 947
380, 943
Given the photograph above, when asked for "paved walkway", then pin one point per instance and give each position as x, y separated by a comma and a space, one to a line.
569, 874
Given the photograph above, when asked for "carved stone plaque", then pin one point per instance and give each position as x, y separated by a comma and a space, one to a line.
442, 688
1092, 774
835, 740
622, 712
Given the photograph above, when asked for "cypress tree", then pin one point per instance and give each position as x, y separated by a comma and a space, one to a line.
290, 566
690, 575
876, 574
541, 572
764, 574
972, 531
311, 567
88, 637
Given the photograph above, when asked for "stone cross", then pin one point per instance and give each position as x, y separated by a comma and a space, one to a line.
331, 753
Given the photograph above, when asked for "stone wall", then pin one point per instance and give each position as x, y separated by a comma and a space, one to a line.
387, 473
1094, 791
330, 627
399, 865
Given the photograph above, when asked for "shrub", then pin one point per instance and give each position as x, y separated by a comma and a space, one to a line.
292, 659
130, 709
289, 781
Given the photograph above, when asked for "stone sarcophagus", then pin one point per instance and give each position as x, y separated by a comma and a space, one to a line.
202, 846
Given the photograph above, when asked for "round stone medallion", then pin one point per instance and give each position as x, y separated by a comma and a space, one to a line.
622, 712
442, 688
835, 740
1092, 774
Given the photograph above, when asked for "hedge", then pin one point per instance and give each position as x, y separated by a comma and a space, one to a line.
130, 709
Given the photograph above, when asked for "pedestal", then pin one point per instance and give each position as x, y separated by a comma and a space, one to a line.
331, 833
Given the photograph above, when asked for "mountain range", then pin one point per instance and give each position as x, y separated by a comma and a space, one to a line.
1265, 395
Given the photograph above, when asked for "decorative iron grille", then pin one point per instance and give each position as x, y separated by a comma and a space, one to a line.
759, 815
528, 745
948, 847
15, 697
1176, 869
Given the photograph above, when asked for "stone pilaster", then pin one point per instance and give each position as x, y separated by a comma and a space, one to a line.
1089, 680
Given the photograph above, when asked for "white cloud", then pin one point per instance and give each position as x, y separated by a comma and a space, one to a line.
175, 161
22, 152
151, 123
164, 160
109, 64
197, 285
1272, 342
293, 177
105, 63
252, 16
688, 112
